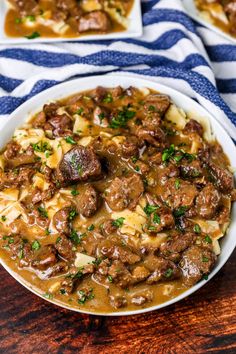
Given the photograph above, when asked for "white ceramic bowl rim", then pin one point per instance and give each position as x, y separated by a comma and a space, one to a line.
32, 106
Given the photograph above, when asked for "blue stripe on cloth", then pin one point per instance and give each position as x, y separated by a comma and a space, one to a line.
226, 85
8, 103
8, 84
221, 53
103, 58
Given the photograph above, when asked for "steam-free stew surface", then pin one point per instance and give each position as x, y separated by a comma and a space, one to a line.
66, 18
113, 199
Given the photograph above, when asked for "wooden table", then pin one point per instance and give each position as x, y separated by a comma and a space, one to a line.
204, 322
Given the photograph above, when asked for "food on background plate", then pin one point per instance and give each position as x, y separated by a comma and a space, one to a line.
113, 199
221, 13
66, 18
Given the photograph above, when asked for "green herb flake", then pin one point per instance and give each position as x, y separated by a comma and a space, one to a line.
97, 261
134, 159
62, 291
205, 259
168, 153
58, 239
180, 211
42, 146
118, 222
151, 108
72, 214
108, 98
205, 277
47, 232
121, 119
21, 253
149, 209
48, 296
91, 227
197, 229
110, 279
36, 245
18, 20
30, 18
85, 297
156, 218
208, 239
33, 35
70, 140
177, 184
43, 212
74, 192
80, 111
168, 273
3, 218
137, 168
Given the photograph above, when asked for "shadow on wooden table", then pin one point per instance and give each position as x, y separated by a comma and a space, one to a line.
204, 322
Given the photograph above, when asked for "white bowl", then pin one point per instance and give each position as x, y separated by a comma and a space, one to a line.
135, 29
195, 14
32, 106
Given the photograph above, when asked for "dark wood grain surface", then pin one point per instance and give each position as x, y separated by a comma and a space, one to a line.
204, 322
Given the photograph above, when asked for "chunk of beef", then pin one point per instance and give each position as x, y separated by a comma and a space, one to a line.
50, 110
62, 220
139, 274
122, 253
45, 258
25, 158
230, 10
208, 201
124, 192
196, 261
94, 21
175, 244
157, 103
19, 248
165, 172
69, 7
154, 136
119, 274
223, 215
161, 268
18, 177
117, 301
193, 127
181, 196
88, 201
64, 247
12, 150
130, 147
108, 228
40, 120
75, 276
190, 170
159, 220
79, 164
223, 178
29, 7
61, 125
141, 298
60, 267
99, 94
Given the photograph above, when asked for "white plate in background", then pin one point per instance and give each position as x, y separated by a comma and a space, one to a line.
135, 29
35, 104
195, 14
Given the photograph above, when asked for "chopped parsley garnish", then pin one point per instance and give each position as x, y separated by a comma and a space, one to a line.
110, 279
205, 259
91, 228
121, 119
33, 35
168, 273
72, 214
180, 211
101, 116
80, 111
36, 245
156, 218
18, 20
197, 229
21, 253
74, 192
31, 18
205, 277
149, 209
208, 239
48, 296
3, 218
134, 159
97, 261
118, 222
177, 184
58, 239
42, 146
137, 168
76, 237
151, 108
62, 291
70, 140
80, 170
43, 212
83, 297
168, 153
152, 228
108, 98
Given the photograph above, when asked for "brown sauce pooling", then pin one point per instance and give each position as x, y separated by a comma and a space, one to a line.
43, 18
113, 199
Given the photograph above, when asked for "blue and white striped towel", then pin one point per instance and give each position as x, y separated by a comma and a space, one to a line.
173, 50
